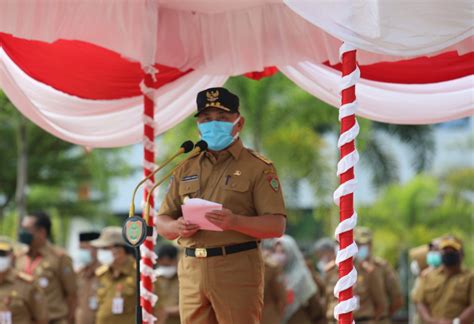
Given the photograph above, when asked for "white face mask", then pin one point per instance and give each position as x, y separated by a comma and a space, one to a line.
5, 262
84, 257
105, 257
166, 271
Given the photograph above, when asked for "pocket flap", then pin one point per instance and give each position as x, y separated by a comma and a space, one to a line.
240, 185
188, 187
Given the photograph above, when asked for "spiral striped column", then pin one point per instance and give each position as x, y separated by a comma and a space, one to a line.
148, 256
344, 194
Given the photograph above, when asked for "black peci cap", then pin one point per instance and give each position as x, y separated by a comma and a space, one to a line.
88, 236
219, 98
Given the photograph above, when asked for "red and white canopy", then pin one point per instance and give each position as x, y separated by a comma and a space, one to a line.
75, 68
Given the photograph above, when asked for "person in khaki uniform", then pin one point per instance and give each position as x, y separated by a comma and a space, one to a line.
274, 291
21, 302
392, 287
222, 266
87, 282
446, 294
167, 285
117, 291
368, 290
50, 266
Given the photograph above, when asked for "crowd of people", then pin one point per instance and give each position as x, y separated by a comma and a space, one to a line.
39, 285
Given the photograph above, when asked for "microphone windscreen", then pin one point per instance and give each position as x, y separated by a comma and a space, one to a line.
202, 145
187, 146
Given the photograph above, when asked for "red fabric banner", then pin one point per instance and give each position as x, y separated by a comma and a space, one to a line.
420, 70
82, 69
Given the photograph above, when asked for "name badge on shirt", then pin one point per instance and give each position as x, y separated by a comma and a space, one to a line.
190, 178
6, 317
117, 305
93, 303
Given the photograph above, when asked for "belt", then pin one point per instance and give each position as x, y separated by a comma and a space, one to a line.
230, 249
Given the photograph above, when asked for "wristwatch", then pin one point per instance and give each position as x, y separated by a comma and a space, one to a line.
456, 321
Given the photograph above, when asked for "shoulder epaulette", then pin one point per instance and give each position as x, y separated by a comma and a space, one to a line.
25, 277
260, 157
101, 270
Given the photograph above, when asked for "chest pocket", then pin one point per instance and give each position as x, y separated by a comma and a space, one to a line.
189, 188
238, 185
433, 290
44, 278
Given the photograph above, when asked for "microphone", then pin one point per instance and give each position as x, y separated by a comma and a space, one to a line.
186, 147
199, 147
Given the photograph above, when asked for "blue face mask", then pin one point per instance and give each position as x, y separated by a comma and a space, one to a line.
363, 253
433, 258
218, 134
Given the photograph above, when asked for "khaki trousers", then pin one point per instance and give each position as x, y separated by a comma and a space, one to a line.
221, 289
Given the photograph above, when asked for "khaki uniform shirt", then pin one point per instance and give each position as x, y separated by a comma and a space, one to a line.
168, 294
239, 179
87, 283
445, 297
369, 290
53, 273
116, 286
20, 296
391, 282
274, 298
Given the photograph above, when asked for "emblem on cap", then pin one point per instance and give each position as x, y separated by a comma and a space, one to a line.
212, 95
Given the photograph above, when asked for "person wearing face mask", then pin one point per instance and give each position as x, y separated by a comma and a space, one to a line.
446, 294
117, 291
222, 266
167, 285
391, 283
20, 299
50, 266
303, 302
87, 282
368, 289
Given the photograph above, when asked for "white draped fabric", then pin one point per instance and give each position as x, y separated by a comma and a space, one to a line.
390, 102
235, 37
100, 123
221, 38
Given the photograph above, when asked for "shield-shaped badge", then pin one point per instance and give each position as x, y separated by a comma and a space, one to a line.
134, 230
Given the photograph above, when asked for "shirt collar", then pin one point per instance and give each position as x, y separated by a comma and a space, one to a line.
236, 148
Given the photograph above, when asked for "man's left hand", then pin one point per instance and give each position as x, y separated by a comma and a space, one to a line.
224, 218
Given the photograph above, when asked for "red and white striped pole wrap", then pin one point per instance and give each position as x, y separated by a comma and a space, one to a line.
344, 194
148, 257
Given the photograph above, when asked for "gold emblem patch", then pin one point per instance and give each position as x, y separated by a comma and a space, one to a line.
212, 95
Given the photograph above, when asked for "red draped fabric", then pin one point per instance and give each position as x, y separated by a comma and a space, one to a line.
82, 69
420, 70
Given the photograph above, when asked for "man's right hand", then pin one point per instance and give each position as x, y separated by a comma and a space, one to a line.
184, 228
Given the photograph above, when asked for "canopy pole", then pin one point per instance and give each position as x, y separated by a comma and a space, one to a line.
344, 195
148, 297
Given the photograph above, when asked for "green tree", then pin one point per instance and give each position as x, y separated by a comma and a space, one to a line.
414, 213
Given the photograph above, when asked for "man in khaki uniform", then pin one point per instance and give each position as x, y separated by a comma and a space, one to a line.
20, 300
391, 283
167, 285
50, 266
87, 282
117, 291
367, 290
221, 272
446, 294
